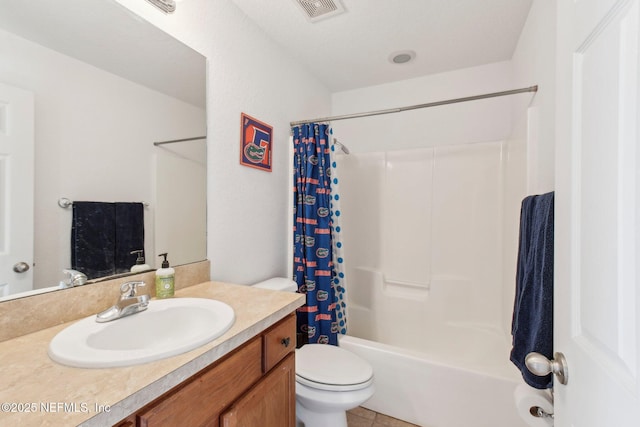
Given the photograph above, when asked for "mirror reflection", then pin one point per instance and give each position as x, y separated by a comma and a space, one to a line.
86, 89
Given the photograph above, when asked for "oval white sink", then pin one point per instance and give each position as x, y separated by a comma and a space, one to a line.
166, 328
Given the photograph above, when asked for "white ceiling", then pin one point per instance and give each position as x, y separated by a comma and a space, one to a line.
351, 50
107, 35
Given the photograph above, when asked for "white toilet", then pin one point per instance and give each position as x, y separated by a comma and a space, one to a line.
329, 379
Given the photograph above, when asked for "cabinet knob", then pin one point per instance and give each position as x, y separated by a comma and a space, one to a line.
286, 341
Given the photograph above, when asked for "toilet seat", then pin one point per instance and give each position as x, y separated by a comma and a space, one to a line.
327, 367
332, 387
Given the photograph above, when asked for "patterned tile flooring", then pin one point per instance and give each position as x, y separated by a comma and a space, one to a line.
362, 417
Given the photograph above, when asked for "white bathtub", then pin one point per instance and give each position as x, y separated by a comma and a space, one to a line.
425, 390
436, 364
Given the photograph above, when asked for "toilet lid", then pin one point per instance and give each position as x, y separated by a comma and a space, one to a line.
321, 364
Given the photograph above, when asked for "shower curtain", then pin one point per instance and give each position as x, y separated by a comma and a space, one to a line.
313, 265
339, 278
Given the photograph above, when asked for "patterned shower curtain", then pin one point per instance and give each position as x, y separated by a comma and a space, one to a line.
339, 278
313, 265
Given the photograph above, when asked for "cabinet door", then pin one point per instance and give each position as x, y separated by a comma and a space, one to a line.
271, 403
200, 401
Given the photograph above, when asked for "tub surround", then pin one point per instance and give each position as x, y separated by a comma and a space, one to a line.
29, 376
23, 316
446, 282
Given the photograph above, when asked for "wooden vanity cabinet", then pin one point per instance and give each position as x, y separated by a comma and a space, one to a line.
252, 386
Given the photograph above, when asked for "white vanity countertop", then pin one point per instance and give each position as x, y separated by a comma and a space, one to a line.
35, 391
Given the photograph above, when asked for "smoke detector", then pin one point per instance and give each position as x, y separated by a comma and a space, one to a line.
316, 10
402, 56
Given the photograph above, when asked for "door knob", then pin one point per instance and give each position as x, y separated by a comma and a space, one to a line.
21, 267
539, 365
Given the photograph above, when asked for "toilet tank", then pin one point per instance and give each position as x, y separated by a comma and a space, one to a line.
278, 284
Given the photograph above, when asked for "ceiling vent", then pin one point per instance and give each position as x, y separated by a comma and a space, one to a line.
316, 10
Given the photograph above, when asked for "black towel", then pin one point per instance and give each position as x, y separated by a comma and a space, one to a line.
129, 235
532, 323
93, 238
103, 235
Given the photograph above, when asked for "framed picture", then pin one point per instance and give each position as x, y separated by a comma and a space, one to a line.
255, 143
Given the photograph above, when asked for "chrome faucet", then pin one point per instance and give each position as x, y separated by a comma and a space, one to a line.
74, 278
130, 302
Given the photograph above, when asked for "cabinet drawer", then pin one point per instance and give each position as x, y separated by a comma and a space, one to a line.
278, 342
203, 398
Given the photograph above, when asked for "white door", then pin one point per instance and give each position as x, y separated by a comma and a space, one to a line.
16, 189
597, 245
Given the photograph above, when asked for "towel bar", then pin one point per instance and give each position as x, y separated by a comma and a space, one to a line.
65, 203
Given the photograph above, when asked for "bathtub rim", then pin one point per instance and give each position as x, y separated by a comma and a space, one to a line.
504, 373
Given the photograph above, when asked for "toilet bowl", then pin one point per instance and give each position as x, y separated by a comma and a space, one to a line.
329, 379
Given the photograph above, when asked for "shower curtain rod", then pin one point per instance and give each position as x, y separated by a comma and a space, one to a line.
415, 107
179, 140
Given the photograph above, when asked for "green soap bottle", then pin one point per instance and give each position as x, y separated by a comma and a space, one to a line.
165, 279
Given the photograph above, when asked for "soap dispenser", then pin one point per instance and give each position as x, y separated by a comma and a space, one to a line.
140, 264
165, 279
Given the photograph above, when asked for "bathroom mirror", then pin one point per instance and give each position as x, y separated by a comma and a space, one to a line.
104, 85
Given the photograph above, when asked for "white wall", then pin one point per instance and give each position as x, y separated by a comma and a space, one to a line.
247, 213
532, 141
85, 119
534, 119
181, 202
478, 121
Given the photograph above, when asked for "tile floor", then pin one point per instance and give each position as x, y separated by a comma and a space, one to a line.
362, 417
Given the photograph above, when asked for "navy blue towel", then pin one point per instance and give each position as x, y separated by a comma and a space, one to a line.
532, 323
93, 238
129, 235
103, 235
